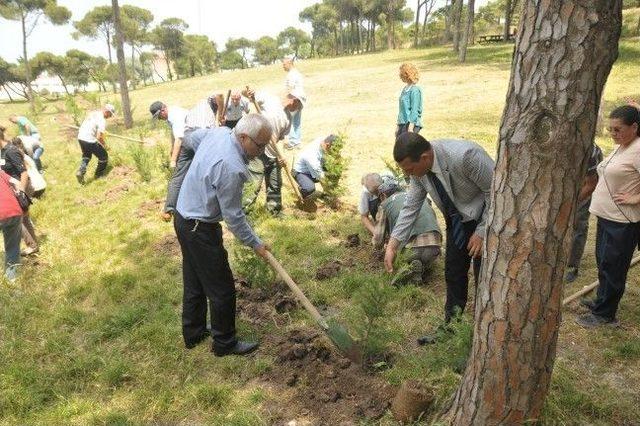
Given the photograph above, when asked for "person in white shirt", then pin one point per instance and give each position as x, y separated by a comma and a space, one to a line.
237, 108
33, 148
309, 167
294, 85
279, 112
91, 140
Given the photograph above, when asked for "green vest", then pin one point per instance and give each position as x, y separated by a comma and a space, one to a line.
426, 221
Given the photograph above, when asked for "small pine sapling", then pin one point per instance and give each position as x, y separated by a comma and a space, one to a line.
335, 164
251, 268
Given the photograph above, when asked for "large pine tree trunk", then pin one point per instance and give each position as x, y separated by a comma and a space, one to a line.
124, 90
468, 32
417, 25
563, 56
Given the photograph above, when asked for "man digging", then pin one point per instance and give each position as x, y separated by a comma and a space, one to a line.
212, 193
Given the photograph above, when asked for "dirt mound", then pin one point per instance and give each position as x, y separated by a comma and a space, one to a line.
257, 305
353, 240
167, 246
150, 207
116, 192
121, 172
328, 270
324, 387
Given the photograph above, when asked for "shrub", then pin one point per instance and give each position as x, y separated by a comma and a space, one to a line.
142, 160
73, 109
251, 268
335, 165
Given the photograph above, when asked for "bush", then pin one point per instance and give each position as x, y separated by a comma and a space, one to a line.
73, 109
142, 160
335, 165
253, 269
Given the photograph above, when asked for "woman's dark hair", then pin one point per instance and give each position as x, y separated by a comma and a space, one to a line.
628, 114
2, 130
17, 142
410, 145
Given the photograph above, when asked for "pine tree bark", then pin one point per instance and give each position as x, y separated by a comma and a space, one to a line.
122, 66
562, 59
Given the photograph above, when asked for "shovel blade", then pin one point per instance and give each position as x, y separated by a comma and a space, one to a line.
343, 341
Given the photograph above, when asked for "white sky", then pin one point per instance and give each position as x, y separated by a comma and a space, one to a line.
218, 19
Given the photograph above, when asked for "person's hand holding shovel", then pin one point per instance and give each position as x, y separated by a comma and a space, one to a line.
262, 250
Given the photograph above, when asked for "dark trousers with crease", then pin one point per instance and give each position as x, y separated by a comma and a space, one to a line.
456, 272
206, 277
615, 244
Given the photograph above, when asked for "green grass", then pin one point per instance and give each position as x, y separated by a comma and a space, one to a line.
90, 334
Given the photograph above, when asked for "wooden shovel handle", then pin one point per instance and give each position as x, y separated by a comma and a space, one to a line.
296, 291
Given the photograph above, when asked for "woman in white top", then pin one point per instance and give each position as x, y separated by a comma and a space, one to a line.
616, 204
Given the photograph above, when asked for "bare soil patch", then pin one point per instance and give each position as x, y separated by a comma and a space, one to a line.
167, 246
312, 380
150, 207
321, 385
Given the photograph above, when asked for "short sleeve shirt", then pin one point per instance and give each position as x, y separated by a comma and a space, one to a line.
177, 119
92, 125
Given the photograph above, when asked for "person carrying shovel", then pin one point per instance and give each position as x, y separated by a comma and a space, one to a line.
211, 193
279, 113
92, 142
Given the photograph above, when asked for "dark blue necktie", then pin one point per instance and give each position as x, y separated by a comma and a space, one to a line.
452, 215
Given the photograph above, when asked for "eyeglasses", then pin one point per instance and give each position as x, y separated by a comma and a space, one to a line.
260, 147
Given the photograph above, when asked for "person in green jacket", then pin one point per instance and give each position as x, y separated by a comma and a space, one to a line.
410, 103
425, 237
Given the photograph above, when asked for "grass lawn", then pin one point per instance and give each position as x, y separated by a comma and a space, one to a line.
90, 333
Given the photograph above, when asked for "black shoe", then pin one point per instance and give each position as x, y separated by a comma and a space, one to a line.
588, 303
80, 177
439, 334
591, 321
240, 348
572, 274
193, 343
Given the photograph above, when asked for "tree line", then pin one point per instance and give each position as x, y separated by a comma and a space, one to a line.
338, 27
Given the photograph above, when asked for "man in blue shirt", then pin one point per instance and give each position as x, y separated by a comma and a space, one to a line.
212, 192
309, 167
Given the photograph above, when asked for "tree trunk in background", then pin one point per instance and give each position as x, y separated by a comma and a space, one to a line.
507, 20
166, 59
468, 31
27, 67
417, 25
563, 56
133, 66
122, 66
456, 22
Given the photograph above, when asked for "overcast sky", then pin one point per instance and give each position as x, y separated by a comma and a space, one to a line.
218, 19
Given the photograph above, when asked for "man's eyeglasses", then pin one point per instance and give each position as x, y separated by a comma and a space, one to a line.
261, 147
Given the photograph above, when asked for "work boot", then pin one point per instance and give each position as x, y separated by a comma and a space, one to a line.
440, 333
572, 274
80, 176
240, 348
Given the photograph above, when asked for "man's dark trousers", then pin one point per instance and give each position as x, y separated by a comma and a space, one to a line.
615, 244
456, 272
206, 276
185, 157
90, 149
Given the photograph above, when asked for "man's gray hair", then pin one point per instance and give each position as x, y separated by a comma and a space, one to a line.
251, 125
372, 182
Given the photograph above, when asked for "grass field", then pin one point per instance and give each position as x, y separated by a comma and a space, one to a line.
90, 334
